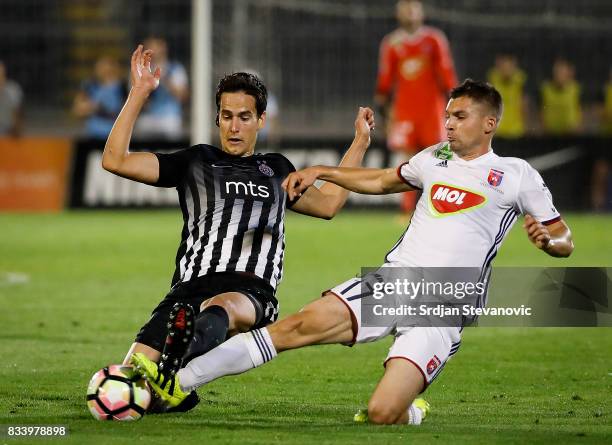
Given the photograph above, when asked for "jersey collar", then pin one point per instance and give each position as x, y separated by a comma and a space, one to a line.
479, 160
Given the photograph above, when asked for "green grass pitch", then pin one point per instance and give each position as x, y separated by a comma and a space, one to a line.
76, 287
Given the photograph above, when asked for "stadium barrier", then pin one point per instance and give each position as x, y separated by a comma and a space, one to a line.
34, 173
92, 187
565, 164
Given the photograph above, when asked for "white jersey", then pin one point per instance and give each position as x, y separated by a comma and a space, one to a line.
467, 207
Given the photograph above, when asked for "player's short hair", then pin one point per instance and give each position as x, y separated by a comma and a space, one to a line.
248, 83
482, 92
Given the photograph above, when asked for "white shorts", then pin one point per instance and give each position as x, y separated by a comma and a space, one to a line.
428, 348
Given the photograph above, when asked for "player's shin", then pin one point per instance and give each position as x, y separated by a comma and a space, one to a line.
235, 356
211, 326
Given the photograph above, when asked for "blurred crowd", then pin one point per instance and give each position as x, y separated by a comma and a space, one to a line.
560, 110
416, 73
557, 109
101, 97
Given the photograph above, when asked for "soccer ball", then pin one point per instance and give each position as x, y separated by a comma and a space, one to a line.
117, 392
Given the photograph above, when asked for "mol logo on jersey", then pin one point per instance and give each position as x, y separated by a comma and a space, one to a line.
445, 199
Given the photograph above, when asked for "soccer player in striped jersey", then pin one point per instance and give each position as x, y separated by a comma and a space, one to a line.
471, 198
230, 259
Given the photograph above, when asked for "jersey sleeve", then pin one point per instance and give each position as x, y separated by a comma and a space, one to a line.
386, 68
288, 168
173, 167
444, 65
283, 167
411, 172
535, 199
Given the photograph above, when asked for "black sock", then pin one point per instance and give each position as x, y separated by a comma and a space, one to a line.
211, 326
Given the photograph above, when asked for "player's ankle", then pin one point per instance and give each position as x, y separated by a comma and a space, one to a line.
185, 375
415, 415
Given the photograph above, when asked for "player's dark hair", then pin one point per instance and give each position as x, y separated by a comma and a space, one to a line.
249, 83
482, 92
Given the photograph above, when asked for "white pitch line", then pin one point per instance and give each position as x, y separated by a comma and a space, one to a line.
13, 278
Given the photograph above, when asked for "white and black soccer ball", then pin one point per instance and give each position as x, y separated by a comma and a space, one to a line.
117, 392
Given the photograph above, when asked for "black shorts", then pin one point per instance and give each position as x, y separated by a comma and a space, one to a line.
195, 292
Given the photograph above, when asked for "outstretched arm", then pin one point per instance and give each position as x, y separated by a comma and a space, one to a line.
369, 181
327, 201
117, 159
554, 239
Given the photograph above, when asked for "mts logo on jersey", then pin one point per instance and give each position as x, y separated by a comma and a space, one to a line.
241, 188
447, 199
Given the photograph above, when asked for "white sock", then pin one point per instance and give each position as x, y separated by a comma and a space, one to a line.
235, 356
415, 415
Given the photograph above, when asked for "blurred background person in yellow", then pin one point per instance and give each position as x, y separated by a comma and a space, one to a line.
509, 80
600, 176
561, 110
606, 122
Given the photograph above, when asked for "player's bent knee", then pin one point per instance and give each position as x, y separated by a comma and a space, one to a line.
240, 310
381, 413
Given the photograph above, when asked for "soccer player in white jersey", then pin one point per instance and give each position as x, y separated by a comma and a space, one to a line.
471, 197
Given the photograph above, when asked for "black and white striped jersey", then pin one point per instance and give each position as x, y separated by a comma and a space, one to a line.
233, 211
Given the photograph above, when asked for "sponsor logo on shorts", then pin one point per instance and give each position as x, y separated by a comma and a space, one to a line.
446, 199
433, 364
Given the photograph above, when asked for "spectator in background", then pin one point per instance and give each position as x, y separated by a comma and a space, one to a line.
11, 105
163, 116
100, 99
600, 177
606, 122
600, 184
561, 110
509, 80
415, 75
269, 135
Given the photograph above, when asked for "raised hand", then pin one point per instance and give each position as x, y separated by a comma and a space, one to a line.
140, 74
364, 123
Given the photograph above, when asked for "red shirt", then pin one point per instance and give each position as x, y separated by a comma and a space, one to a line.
419, 69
